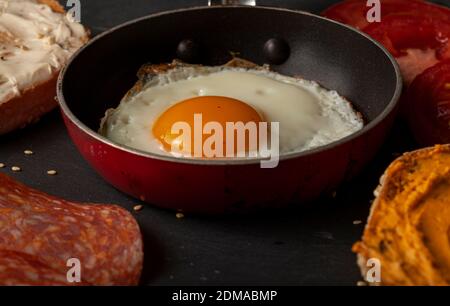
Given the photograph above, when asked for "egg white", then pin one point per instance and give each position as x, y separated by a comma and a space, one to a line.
309, 115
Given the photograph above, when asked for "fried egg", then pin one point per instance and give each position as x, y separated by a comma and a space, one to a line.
309, 115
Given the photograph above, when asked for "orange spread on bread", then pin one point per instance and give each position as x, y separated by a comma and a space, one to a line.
409, 226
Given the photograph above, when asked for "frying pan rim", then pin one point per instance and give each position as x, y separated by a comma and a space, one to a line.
391, 106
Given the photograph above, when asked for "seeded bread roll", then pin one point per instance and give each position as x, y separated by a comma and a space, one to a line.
36, 41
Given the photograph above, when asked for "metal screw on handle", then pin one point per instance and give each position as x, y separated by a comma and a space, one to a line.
231, 2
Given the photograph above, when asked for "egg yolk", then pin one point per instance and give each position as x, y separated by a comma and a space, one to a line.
213, 109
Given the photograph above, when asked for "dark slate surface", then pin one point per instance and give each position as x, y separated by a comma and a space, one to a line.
301, 246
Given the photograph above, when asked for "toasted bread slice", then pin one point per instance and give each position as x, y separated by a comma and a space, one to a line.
408, 230
28, 89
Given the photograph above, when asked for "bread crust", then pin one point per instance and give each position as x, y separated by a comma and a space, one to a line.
54, 5
29, 107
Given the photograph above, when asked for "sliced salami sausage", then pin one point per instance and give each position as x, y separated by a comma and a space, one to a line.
104, 238
20, 269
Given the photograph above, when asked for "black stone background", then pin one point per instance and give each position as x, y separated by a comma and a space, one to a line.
295, 246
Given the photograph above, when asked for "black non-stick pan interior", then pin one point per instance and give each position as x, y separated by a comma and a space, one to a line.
333, 55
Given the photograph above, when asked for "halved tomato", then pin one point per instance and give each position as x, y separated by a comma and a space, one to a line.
417, 42
401, 32
428, 98
354, 12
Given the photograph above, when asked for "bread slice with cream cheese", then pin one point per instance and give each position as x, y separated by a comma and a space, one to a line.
37, 39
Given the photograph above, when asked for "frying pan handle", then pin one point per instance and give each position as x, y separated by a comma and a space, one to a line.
231, 2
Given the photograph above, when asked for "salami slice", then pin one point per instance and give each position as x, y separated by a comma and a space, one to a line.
20, 269
104, 238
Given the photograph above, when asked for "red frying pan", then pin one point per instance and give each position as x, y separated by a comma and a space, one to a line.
336, 56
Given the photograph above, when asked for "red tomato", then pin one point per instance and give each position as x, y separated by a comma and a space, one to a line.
417, 42
429, 105
401, 32
354, 12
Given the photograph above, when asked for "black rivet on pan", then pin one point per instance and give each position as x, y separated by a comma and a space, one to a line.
188, 51
276, 51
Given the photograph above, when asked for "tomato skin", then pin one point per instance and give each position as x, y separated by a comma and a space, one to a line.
428, 98
401, 32
354, 12
415, 41
417, 34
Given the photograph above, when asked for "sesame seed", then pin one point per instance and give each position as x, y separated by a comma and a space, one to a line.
16, 169
2, 165
361, 284
356, 222
138, 207
52, 172
28, 152
179, 215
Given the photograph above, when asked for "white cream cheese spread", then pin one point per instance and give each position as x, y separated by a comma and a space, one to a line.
35, 42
